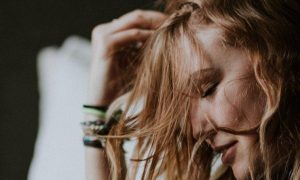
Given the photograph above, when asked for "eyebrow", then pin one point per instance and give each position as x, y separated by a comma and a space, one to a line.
203, 77
204, 73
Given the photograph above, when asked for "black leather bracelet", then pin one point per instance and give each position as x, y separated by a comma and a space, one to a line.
92, 142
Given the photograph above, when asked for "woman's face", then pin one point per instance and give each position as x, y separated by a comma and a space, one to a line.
229, 98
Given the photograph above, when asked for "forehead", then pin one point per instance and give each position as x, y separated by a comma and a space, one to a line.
209, 39
216, 54
210, 34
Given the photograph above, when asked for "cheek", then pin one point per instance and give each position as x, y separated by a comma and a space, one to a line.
224, 114
237, 107
226, 111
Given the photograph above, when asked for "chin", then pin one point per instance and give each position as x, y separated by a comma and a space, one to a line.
240, 171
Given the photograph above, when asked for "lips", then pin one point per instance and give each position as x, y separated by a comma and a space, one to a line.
227, 151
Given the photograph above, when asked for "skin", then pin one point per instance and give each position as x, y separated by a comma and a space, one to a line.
107, 39
234, 102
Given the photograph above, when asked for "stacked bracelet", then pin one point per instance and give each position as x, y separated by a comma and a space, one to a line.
98, 111
92, 141
92, 129
102, 108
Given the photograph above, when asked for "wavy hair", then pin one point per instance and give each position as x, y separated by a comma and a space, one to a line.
269, 31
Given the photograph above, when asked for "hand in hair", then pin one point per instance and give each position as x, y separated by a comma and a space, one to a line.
114, 46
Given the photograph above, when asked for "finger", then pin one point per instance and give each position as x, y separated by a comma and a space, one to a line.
138, 19
133, 35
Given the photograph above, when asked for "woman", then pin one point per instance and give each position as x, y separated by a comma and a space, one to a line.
219, 78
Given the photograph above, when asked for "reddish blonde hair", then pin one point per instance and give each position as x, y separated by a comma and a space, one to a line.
268, 30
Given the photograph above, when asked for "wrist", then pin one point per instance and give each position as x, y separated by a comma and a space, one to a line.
102, 84
103, 99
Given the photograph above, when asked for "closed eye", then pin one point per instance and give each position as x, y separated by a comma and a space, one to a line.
205, 82
210, 90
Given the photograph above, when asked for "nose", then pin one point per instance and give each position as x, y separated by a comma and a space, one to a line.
200, 118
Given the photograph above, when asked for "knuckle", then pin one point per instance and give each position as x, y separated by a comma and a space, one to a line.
99, 30
115, 20
139, 14
138, 11
136, 33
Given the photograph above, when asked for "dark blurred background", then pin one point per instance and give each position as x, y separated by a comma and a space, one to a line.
25, 28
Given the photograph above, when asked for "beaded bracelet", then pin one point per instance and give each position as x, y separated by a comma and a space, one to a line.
92, 130
92, 127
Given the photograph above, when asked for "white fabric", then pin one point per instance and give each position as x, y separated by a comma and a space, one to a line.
63, 74
63, 80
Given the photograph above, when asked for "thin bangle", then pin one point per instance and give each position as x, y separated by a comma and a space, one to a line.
101, 108
98, 111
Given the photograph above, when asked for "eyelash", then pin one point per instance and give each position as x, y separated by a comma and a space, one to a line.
210, 90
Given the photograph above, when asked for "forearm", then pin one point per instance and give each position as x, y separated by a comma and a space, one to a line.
97, 167
99, 93
107, 40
